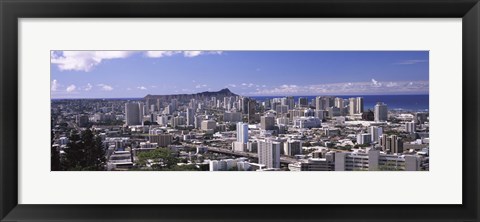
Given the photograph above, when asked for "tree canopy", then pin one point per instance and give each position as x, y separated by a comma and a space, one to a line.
84, 152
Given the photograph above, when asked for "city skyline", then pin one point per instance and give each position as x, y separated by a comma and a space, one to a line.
134, 74
251, 111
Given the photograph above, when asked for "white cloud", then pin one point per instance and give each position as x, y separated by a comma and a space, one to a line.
160, 54
391, 84
188, 54
88, 87
54, 85
192, 53
200, 86
349, 88
411, 62
71, 88
376, 83
248, 84
105, 87
87, 60
232, 85
289, 86
142, 88
84, 60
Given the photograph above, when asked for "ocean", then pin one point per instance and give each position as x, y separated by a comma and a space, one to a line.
404, 102
400, 102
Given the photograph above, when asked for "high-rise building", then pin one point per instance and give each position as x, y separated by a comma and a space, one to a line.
174, 103
242, 138
163, 140
364, 138
421, 117
290, 102
150, 103
242, 132
324, 102
308, 112
410, 127
244, 105
381, 112
352, 105
168, 110
198, 121
292, 147
134, 114
374, 160
178, 121
383, 141
226, 102
391, 144
359, 106
213, 165
295, 113
252, 108
376, 133
302, 102
269, 153
355, 105
283, 121
319, 105
232, 116
159, 103
307, 122
209, 125
190, 117
339, 103
397, 145
267, 122
321, 114
192, 104
281, 109
162, 120
333, 111
275, 105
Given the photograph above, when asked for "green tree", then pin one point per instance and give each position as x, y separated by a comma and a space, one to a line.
84, 152
73, 153
54, 155
185, 168
94, 151
162, 158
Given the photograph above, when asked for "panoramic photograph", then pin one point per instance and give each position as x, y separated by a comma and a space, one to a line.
239, 110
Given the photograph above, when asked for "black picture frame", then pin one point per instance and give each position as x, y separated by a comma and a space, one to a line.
12, 10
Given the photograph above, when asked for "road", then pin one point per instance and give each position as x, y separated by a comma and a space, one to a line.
72, 124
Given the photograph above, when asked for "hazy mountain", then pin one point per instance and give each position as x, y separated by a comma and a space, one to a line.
185, 97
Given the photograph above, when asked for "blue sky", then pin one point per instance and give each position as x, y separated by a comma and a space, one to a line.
128, 74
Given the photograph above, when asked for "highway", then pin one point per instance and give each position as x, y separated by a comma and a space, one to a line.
74, 125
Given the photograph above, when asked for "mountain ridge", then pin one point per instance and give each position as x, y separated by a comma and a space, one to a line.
218, 94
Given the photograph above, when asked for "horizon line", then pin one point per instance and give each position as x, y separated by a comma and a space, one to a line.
419, 94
